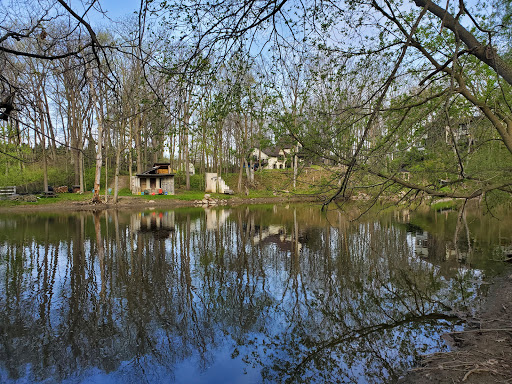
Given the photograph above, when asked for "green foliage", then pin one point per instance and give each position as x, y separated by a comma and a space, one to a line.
443, 205
124, 192
193, 195
89, 174
258, 193
197, 182
30, 178
491, 159
496, 199
503, 19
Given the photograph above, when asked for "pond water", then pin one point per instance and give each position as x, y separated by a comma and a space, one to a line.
262, 294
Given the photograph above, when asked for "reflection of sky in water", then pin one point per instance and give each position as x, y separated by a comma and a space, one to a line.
272, 308
222, 369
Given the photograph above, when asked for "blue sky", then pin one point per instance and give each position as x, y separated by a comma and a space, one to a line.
115, 9
120, 8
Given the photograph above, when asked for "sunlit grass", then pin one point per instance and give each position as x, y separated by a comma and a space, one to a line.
442, 205
182, 195
268, 184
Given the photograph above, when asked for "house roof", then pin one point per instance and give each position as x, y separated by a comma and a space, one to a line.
285, 142
275, 151
271, 151
146, 174
153, 171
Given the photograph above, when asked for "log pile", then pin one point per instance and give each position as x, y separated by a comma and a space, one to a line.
63, 189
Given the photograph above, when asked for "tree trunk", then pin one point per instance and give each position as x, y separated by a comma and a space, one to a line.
99, 117
130, 159
43, 146
240, 174
186, 121
138, 144
81, 171
99, 161
187, 161
107, 143
251, 169
295, 160
51, 134
116, 177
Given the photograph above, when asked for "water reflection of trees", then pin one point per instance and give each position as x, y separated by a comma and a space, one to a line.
305, 298
346, 302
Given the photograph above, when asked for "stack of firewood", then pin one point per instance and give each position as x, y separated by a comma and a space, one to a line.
63, 189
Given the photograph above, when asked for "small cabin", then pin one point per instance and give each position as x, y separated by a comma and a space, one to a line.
159, 180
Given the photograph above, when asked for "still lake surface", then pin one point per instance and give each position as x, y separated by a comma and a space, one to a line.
261, 294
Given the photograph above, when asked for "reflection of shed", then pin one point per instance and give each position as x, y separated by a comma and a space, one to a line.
158, 180
160, 224
421, 244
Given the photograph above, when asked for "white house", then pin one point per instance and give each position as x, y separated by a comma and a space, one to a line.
278, 157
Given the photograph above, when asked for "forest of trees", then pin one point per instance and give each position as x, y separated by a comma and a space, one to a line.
411, 97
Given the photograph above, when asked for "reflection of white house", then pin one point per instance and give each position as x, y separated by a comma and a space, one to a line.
276, 234
271, 230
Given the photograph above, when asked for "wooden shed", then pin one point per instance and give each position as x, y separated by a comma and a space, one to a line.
159, 180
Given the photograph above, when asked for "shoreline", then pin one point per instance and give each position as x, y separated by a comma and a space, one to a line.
480, 354
139, 203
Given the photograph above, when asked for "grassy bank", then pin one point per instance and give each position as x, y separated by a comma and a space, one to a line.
268, 184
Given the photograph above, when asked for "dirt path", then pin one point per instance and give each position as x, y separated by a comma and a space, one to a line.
482, 352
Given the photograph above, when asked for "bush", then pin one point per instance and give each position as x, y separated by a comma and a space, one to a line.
196, 181
30, 178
